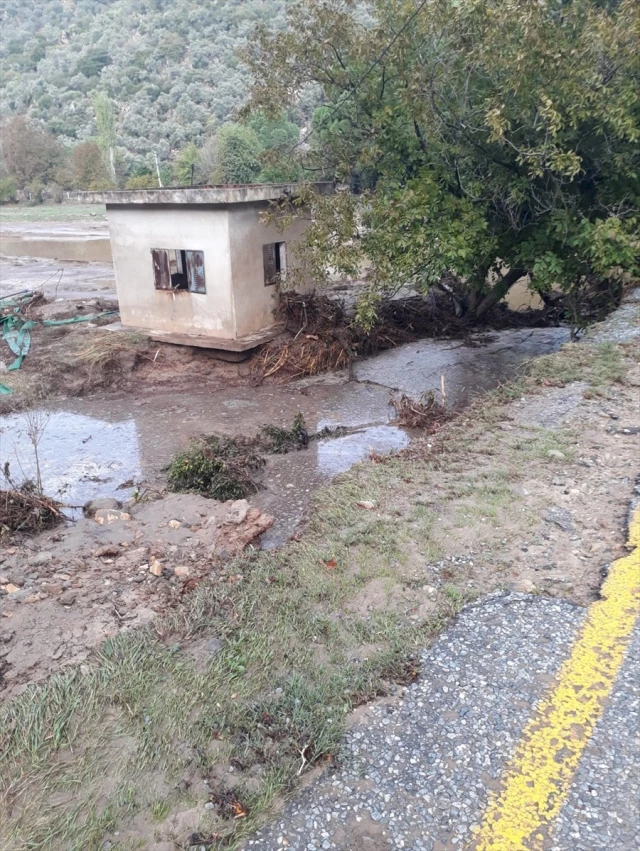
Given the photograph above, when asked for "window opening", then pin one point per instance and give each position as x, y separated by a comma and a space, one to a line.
274, 261
177, 269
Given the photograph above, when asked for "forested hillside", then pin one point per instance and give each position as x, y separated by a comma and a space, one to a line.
169, 68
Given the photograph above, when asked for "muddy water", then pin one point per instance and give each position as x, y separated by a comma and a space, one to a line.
94, 447
86, 241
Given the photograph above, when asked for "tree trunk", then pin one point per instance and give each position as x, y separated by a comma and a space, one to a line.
497, 293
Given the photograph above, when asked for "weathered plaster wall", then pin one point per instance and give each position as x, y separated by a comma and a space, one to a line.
254, 304
135, 231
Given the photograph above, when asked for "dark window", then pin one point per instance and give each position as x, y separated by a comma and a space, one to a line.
274, 261
175, 269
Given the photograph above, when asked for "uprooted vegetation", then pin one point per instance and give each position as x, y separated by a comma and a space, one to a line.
323, 335
216, 467
27, 511
222, 467
425, 413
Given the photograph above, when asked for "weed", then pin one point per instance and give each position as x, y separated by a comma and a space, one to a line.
216, 467
281, 440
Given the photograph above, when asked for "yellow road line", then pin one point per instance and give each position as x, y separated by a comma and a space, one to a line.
539, 777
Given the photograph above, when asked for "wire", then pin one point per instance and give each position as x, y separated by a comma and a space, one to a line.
357, 85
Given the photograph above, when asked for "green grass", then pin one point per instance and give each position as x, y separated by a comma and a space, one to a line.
52, 213
598, 364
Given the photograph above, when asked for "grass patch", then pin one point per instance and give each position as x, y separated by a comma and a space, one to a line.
598, 364
53, 213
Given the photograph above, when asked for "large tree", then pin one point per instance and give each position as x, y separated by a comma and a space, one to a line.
29, 152
487, 140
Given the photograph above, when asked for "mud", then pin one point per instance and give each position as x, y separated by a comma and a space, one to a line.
108, 446
58, 279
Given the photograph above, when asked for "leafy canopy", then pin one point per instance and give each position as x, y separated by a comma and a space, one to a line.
488, 139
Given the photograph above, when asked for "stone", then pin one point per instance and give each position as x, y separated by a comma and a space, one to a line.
155, 566
39, 559
556, 454
182, 570
237, 512
100, 504
16, 580
67, 599
365, 503
175, 524
214, 645
559, 517
526, 586
10, 588
106, 516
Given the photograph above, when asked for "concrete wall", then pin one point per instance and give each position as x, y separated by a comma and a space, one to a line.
254, 304
135, 231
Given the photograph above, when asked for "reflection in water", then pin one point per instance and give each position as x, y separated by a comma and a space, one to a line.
336, 456
80, 457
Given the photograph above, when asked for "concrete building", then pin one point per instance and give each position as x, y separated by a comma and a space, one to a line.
198, 266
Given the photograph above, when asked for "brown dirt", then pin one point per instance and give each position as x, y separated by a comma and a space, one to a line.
64, 592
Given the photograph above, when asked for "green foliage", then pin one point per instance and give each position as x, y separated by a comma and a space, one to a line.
8, 190
142, 181
106, 130
29, 152
237, 151
488, 140
282, 440
185, 164
86, 169
215, 467
170, 67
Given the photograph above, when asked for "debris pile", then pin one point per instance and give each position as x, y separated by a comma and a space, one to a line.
23, 510
425, 413
216, 467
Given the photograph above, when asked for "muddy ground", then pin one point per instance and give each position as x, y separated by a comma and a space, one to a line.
179, 661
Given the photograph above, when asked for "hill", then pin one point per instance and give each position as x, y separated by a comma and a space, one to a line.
169, 67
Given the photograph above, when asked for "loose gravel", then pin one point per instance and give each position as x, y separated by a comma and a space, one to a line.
416, 772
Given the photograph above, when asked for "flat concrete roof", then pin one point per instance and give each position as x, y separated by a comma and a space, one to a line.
245, 193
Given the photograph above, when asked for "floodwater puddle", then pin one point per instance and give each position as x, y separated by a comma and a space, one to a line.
100, 447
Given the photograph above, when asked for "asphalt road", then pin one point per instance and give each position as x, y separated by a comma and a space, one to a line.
521, 733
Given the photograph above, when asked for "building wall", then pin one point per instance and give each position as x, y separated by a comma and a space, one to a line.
254, 303
135, 231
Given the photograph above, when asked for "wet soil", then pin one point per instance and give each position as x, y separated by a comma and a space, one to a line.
57, 279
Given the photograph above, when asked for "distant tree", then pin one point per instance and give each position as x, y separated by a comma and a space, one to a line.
29, 152
185, 162
106, 130
8, 190
237, 155
142, 181
278, 138
86, 168
92, 63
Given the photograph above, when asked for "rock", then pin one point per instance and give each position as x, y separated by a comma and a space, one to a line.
67, 599
237, 512
365, 503
100, 504
556, 454
4, 580
16, 580
10, 588
212, 522
109, 550
525, 586
560, 517
106, 516
214, 645
39, 559
175, 524
155, 567
182, 570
